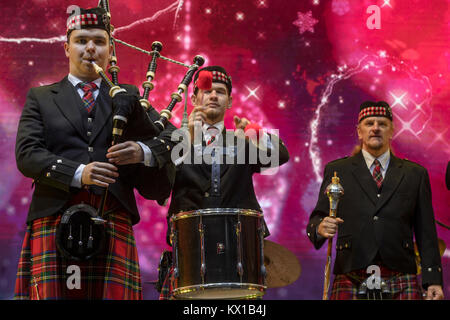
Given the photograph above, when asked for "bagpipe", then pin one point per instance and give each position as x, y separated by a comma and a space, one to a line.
81, 232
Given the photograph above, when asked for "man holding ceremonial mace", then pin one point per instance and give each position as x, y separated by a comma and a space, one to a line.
387, 202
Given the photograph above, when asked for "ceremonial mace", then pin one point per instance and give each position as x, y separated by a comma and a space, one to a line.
334, 192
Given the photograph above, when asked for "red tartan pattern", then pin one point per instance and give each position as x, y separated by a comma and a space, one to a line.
88, 97
372, 111
42, 272
81, 20
217, 76
377, 175
167, 287
403, 286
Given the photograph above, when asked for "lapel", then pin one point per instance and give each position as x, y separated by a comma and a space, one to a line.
103, 110
394, 175
362, 175
67, 100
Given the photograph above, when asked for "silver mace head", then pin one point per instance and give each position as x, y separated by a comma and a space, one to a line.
334, 192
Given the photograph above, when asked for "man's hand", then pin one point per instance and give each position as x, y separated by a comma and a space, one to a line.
434, 292
128, 152
328, 227
240, 123
196, 120
99, 174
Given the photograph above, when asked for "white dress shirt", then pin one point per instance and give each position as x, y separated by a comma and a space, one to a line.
383, 159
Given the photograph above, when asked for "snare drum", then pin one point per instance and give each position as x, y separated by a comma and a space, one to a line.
218, 254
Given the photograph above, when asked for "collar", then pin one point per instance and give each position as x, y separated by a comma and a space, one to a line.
384, 158
219, 125
75, 81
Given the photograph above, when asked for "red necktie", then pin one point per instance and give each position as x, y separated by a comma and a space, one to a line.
377, 176
88, 97
213, 131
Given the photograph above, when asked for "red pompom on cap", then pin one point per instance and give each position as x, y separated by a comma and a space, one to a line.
204, 80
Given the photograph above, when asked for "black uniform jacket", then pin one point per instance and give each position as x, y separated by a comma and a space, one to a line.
56, 135
383, 222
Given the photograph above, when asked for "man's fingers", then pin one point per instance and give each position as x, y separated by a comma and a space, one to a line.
124, 159
100, 183
104, 165
329, 226
120, 153
329, 235
103, 172
124, 162
116, 147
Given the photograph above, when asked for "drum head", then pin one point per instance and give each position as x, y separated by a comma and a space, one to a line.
78, 237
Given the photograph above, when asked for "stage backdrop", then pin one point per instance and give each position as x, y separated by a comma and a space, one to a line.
302, 67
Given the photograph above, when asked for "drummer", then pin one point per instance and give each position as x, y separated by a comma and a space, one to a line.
223, 183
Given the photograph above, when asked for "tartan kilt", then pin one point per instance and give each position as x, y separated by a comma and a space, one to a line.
403, 286
43, 272
167, 287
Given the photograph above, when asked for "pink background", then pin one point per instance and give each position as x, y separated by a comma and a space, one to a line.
302, 67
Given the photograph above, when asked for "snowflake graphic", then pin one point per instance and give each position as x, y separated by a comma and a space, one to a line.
305, 22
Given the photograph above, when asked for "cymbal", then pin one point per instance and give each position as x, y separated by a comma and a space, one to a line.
442, 246
282, 266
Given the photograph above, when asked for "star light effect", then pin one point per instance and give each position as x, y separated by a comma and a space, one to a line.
406, 126
262, 3
252, 93
386, 3
398, 100
240, 16
281, 104
440, 138
418, 106
261, 35
305, 22
363, 65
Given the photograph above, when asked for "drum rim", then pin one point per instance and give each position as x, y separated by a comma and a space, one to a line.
217, 211
259, 290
